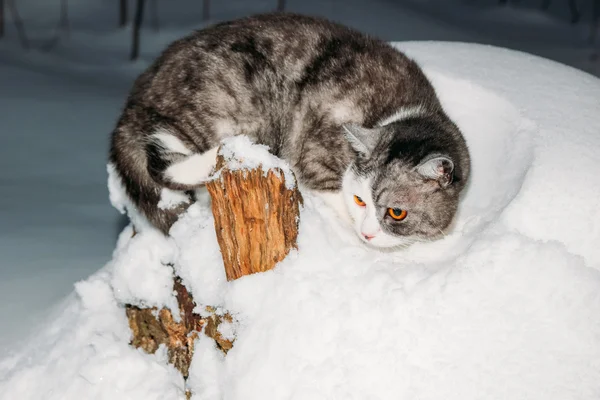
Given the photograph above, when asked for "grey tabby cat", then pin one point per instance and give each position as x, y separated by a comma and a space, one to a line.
357, 120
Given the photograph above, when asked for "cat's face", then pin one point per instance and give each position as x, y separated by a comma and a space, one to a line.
404, 185
396, 207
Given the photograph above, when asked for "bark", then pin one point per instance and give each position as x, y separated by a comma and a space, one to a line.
256, 218
151, 328
137, 25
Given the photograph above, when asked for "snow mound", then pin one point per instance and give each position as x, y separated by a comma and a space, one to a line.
84, 352
559, 198
500, 142
506, 306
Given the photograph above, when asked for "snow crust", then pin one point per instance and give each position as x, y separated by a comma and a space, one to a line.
506, 306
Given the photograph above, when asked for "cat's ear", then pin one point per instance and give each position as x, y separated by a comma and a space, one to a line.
439, 168
361, 139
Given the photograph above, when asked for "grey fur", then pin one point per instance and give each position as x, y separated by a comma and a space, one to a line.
289, 82
401, 169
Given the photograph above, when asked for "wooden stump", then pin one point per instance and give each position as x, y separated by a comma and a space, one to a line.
256, 217
151, 329
256, 220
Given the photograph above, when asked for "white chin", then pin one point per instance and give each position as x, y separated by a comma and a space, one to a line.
386, 241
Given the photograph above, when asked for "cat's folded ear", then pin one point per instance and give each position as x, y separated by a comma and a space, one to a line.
439, 168
363, 140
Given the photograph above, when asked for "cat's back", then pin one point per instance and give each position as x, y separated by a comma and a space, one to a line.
284, 47
277, 37
283, 57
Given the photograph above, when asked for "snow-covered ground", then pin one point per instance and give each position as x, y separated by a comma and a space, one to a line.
507, 305
57, 227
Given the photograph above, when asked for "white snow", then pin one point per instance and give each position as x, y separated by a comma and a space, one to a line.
241, 153
59, 104
559, 197
120, 200
206, 370
141, 272
506, 306
227, 330
203, 274
84, 353
171, 199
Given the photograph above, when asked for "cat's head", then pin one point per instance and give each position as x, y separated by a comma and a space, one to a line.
405, 183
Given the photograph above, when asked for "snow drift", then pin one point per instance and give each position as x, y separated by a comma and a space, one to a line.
506, 306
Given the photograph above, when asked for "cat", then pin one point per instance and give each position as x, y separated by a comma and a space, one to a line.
357, 120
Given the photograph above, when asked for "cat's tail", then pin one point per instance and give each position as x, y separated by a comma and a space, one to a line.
176, 163
147, 164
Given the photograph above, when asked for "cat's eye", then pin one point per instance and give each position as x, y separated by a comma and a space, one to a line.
359, 201
397, 213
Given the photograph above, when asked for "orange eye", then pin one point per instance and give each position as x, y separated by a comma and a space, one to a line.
397, 213
359, 201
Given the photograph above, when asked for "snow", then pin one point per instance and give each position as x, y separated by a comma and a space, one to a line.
85, 353
57, 107
171, 199
141, 274
227, 330
240, 153
559, 195
195, 233
506, 306
206, 370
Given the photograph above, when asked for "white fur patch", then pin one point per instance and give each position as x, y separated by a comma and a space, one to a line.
403, 113
366, 222
194, 170
170, 142
370, 224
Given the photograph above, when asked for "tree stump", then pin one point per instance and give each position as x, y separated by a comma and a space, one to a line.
152, 328
256, 215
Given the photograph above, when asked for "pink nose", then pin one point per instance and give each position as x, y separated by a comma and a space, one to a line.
368, 237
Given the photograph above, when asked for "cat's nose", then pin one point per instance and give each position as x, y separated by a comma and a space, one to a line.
368, 237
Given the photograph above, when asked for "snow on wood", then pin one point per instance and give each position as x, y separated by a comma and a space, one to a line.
256, 219
256, 216
151, 328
